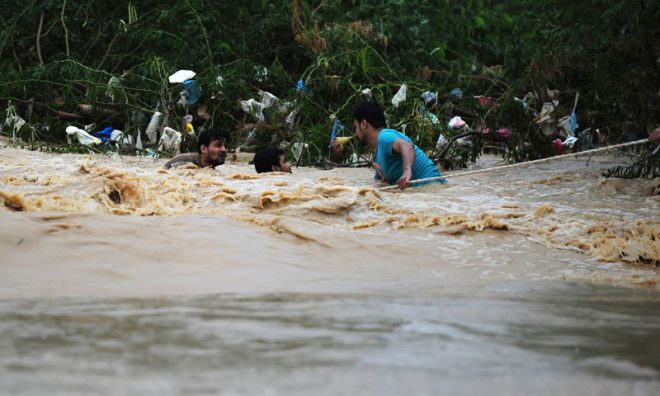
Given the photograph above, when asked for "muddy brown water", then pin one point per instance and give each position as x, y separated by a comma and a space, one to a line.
118, 277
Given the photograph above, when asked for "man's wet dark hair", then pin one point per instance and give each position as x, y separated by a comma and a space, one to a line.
371, 112
265, 159
210, 135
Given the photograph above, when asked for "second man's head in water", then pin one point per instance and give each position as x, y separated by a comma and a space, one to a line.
271, 160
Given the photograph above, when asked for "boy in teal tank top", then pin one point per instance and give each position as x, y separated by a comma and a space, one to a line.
397, 160
389, 163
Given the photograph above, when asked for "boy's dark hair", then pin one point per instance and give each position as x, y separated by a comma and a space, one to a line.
371, 112
265, 159
210, 135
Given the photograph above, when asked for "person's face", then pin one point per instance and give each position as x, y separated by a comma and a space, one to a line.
360, 132
285, 166
215, 152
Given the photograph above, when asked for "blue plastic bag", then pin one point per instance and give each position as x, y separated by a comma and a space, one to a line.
193, 92
105, 134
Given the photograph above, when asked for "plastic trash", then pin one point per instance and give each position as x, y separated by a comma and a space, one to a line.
13, 120
267, 99
400, 95
464, 142
442, 140
342, 140
152, 154
574, 124
367, 92
297, 149
82, 136
181, 76
300, 87
283, 106
192, 91
456, 93
138, 140
170, 139
187, 125
429, 97
261, 73
152, 128
254, 108
558, 146
291, 118
105, 134
112, 90
456, 123
336, 128
487, 101
117, 136
570, 141
505, 133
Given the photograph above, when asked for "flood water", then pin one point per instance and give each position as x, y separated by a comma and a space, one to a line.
120, 278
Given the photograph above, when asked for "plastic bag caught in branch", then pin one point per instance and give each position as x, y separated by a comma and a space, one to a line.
82, 136
429, 97
267, 99
191, 92
456, 123
254, 108
13, 120
170, 139
297, 149
400, 95
113, 89
291, 118
152, 128
367, 92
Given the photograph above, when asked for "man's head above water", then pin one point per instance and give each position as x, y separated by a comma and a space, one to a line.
212, 147
271, 160
368, 120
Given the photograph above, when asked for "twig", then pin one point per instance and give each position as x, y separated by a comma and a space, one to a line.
66, 31
41, 24
107, 51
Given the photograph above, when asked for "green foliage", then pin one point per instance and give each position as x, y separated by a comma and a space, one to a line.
116, 56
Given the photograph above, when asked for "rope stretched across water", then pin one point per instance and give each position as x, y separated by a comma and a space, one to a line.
538, 161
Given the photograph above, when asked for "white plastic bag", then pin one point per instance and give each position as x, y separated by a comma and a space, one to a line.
367, 92
138, 140
267, 99
291, 118
400, 95
82, 136
297, 149
170, 139
254, 108
442, 140
152, 128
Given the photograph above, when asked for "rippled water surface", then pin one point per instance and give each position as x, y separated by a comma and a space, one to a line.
510, 339
120, 278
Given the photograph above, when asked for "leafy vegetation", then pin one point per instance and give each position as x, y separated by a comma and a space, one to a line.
105, 62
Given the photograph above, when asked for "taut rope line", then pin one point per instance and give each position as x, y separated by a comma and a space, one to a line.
538, 161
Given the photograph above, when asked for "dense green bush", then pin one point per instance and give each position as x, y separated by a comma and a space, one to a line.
57, 55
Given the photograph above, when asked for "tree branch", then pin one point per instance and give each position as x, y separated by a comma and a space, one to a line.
41, 25
107, 51
66, 31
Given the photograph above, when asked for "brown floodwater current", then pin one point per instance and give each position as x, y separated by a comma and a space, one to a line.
118, 277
